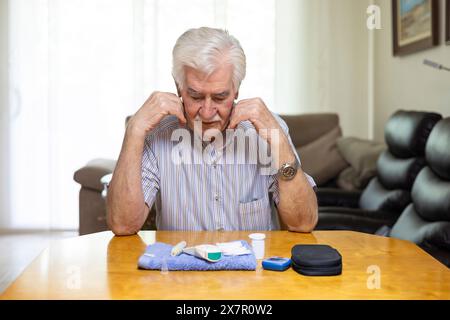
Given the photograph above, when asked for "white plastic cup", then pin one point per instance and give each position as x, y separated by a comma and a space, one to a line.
258, 244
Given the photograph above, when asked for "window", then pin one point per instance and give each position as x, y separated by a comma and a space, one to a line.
78, 68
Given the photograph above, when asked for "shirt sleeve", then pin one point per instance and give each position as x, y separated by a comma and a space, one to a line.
273, 181
150, 174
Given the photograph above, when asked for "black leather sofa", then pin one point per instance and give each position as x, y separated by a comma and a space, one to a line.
426, 221
388, 193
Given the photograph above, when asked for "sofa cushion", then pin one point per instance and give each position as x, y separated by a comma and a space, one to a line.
306, 128
376, 197
411, 226
348, 179
406, 132
397, 173
321, 159
431, 196
362, 155
438, 149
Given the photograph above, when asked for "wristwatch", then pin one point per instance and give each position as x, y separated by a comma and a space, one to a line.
288, 170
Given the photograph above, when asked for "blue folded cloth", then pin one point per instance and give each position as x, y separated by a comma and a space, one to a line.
156, 253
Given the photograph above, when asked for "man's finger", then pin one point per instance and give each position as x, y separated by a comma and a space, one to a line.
177, 110
236, 118
238, 114
173, 97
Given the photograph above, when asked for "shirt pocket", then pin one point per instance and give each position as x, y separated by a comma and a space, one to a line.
255, 215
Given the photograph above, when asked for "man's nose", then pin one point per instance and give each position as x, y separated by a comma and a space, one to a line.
208, 110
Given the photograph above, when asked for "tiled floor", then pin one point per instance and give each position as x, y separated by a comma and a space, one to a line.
17, 251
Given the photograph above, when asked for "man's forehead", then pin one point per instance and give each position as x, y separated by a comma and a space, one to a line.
217, 82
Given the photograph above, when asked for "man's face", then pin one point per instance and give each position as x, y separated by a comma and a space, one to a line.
209, 99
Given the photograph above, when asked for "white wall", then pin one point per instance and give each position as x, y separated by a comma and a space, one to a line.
328, 60
288, 51
348, 56
4, 117
404, 82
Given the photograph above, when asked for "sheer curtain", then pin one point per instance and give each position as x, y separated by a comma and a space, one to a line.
78, 68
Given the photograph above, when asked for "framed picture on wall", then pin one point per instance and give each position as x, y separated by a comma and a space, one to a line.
415, 25
447, 22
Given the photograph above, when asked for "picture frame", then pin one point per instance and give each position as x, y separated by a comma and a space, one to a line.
415, 25
447, 22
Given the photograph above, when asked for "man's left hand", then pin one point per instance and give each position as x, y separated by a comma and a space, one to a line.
255, 111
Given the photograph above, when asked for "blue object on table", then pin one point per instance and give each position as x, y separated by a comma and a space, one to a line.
276, 263
158, 254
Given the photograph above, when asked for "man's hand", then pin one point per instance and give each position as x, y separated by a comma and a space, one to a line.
255, 111
157, 106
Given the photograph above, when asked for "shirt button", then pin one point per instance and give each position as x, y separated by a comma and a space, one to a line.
216, 197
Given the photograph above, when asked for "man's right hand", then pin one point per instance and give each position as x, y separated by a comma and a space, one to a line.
157, 106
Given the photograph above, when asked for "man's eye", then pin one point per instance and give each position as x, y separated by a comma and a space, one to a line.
197, 98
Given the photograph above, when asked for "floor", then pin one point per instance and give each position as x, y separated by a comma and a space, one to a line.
18, 250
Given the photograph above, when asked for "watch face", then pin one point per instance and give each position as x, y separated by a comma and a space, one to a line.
289, 172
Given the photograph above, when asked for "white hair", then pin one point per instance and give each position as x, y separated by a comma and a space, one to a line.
205, 49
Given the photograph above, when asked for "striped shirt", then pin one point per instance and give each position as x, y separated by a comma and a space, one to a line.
216, 194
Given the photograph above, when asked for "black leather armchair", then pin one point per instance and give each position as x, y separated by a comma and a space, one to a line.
426, 221
387, 194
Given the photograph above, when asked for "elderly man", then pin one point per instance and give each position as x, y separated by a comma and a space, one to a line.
208, 68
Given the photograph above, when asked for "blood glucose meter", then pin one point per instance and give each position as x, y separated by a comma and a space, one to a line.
276, 263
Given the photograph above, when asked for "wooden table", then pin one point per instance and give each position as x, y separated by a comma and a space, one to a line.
101, 266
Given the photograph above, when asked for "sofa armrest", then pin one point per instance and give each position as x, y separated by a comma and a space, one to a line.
387, 217
354, 219
330, 197
89, 176
349, 223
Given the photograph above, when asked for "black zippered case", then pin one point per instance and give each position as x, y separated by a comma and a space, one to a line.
316, 260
